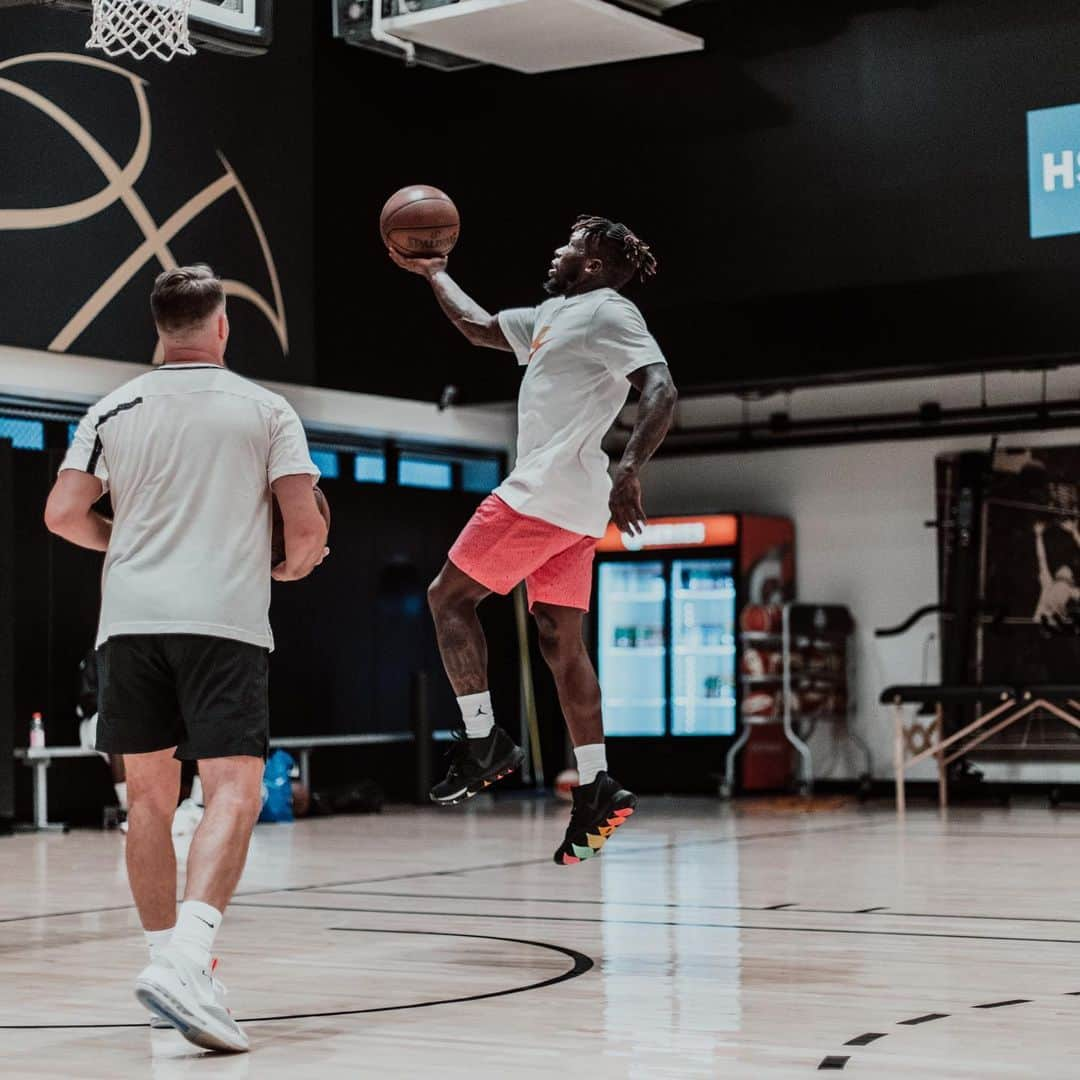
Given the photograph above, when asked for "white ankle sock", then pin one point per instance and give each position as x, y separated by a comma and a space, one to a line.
591, 759
157, 939
196, 928
120, 787
477, 713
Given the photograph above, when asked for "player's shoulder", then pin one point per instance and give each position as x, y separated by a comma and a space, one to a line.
124, 396
612, 310
241, 384
613, 305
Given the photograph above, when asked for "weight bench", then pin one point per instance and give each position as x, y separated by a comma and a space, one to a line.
916, 740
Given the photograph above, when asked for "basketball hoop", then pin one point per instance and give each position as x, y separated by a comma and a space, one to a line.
141, 28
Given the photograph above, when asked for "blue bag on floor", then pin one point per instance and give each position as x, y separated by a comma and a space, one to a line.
277, 788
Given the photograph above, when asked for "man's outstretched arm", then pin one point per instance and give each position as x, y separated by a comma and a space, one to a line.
656, 411
479, 326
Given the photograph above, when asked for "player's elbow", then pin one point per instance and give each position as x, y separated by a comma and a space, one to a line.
482, 334
664, 394
60, 515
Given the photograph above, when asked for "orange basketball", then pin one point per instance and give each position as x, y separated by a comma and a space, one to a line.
420, 222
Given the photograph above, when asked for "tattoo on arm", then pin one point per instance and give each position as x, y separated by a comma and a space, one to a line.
656, 411
478, 325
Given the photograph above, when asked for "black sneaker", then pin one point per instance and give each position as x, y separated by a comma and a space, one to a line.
599, 809
476, 765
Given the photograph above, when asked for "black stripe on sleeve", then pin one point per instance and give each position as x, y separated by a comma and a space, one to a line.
91, 464
95, 454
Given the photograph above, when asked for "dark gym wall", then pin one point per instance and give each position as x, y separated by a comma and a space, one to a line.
829, 187
7, 629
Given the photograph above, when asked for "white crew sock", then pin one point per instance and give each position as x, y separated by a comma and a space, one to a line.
591, 760
121, 793
477, 713
196, 928
157, 939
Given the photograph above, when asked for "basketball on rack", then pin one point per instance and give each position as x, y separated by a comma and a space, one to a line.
420, 222
761, 618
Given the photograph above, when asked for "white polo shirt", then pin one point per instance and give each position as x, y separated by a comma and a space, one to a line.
188, 452
580, 351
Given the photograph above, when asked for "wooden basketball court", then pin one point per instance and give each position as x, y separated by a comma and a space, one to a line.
702, 943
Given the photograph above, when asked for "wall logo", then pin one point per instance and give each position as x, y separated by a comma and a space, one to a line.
1054, 170
119, 186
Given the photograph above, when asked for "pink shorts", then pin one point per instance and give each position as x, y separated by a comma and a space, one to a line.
500, 548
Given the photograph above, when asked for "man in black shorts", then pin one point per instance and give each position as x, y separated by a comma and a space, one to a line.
189, 453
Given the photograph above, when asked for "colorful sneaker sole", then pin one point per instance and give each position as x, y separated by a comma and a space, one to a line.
507, 768
594, 842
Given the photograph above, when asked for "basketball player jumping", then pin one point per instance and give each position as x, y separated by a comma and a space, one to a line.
583, 349
189, 453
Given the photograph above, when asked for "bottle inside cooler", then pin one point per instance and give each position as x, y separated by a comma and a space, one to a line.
703, 621
631, 647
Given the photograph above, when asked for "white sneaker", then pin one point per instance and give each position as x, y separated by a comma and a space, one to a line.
187, 817
191, 1000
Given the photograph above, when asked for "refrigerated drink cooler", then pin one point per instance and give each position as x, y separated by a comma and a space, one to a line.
666, 632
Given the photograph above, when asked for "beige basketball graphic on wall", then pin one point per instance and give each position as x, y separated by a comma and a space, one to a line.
116, 185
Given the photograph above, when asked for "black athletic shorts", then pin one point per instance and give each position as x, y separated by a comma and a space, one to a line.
207, 696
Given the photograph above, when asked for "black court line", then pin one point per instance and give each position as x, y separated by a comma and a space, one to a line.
660, 922
1002, 1004
888, 912
849, 827
923, 1019
624, 853
867, 1039
834, 1062
581, 965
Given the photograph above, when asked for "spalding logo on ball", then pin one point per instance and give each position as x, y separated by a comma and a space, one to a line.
420, 222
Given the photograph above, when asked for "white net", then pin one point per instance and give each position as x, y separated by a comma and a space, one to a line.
141, 28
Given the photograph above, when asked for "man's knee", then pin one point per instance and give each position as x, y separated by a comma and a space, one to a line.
149, 800
240, 801
447, 595
560, 635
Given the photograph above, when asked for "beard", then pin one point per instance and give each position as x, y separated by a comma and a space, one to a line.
554, 287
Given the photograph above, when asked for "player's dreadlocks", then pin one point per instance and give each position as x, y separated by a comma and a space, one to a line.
623, 252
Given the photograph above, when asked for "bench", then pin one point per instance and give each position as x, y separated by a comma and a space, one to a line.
915, 740
39, 759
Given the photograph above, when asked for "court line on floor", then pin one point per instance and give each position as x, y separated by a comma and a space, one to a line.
626, 852
795, 908
663, 922
581, 964
838, 1061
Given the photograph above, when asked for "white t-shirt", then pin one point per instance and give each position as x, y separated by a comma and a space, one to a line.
188, 452
579, 351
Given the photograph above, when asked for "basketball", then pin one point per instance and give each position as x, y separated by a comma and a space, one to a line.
565, 783
761, 618
420, 222
277, 539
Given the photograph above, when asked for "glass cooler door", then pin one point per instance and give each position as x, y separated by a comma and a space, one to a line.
631, 648
703, 630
